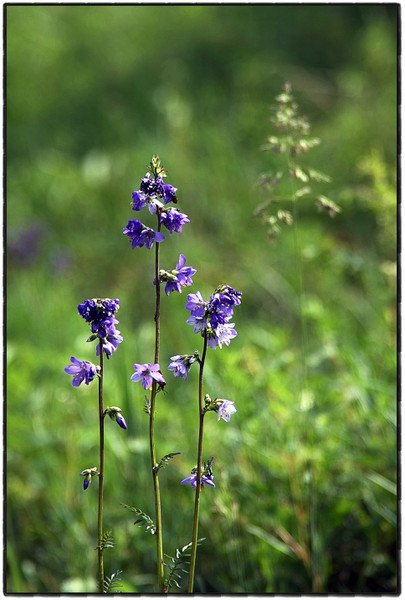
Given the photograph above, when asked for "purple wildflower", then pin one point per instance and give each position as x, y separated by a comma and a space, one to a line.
151, 186
199, 323
110, 343
212, 318
173, 220
99, 312
181, 364
169, 194
225, 409
205, 479
153, 192
223, 334
146, 373
81, 371
139, 200
196, 304
141, 235
177, 278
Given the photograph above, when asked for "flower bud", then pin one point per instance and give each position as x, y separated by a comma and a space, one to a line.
88, 474
114, 412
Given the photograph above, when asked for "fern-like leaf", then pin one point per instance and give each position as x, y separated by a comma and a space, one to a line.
111, 583
163, 461
146, 408
107, 540
176, 569
144, 519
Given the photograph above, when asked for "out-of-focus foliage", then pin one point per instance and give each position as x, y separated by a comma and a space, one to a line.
305, 472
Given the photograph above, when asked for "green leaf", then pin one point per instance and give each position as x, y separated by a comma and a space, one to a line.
107, 540
144, 519
176, 568
111, 583
270, 539
383, 482
163, 461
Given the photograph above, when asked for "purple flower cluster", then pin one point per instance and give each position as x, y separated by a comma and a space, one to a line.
212, 318
99, 312
177, 278
181, 364
154, 194
173, 220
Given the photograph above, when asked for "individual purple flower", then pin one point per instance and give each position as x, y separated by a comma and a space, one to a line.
205, 479
140, 235
181, 364
146, 373
115, 414
169, 194
139, 200
225, 409
196, 304
177, 278
134, 230
198, 323
223, 334
110, 343
88, 474
173, 220
81, 371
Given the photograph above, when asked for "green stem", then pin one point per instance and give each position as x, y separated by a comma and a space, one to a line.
101, 476
156, 486
307, 416
201, 414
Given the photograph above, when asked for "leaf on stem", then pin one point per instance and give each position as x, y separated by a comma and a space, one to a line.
111, 583
107, 540
146, 408
144, 519
176, 569
163, 461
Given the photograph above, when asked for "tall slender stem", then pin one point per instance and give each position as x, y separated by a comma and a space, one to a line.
307, 437
156, 486
201, 414
101, 476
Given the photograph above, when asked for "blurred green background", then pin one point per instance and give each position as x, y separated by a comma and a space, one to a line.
306, 470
